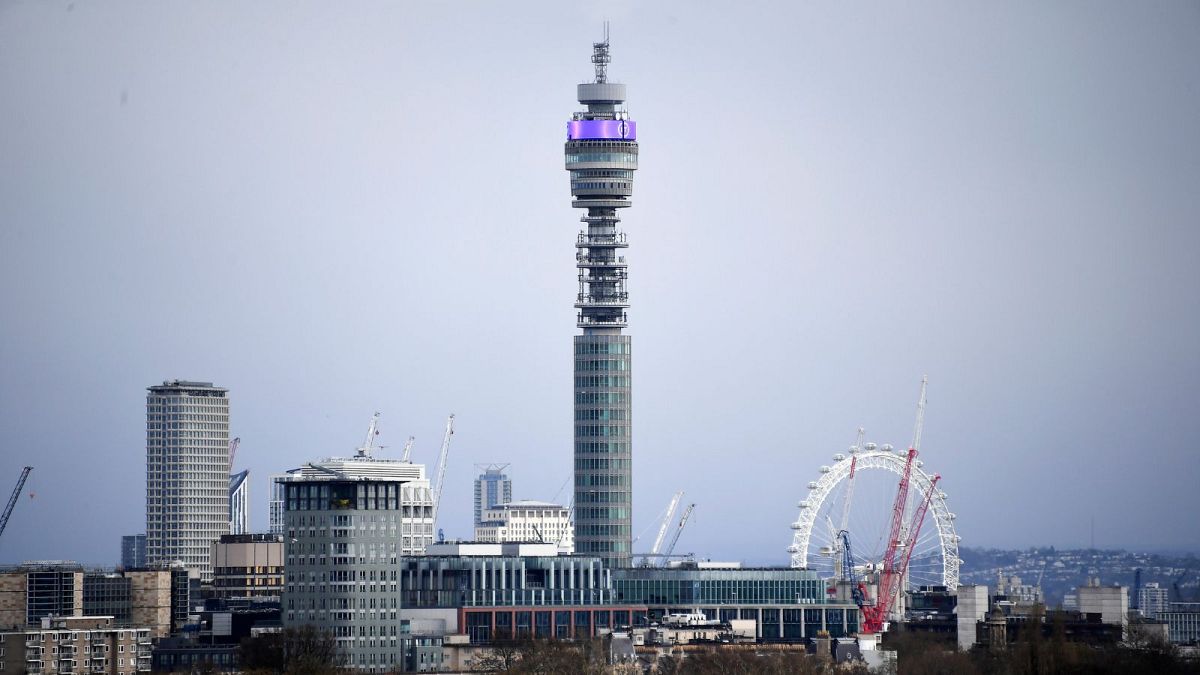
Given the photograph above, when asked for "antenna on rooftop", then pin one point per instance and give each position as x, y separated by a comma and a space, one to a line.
600, 57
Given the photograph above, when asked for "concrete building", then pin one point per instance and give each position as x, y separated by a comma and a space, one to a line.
133, 551
601, 156
972, 608
492, 488
187, 473
528, 520
248, 566
1110, 602
239, 502
76, 644
348, 523
1152, 599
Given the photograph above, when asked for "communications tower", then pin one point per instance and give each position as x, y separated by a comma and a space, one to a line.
601, 156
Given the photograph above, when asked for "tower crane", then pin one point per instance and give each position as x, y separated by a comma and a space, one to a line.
893, 571
840, 542
372, 432
12, 501
662, 530
233, 448
687, 513
441, 465
407, 449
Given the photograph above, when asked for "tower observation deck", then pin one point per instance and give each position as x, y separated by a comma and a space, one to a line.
601, 156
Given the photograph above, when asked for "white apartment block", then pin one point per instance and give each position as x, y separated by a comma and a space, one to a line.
527, 521
187, 473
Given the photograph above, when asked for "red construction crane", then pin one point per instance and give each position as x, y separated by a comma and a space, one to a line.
890, 577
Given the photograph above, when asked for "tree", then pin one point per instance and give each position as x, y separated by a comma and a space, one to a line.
305, 650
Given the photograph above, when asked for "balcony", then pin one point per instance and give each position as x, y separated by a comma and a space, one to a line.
616, 300
601, 241
585, 261
618, 321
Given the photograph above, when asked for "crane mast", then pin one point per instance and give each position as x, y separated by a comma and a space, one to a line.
441, 465
369, 442
687, 513
12, 501
233, 448
407, 449
662, 530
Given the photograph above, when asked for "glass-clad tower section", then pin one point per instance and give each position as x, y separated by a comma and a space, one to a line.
601, 156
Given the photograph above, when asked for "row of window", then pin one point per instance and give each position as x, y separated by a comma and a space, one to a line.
602, 347
603, 464
601, 480
584, 430
602, 414
601, 173
593, 185
600, 513
601, 398
601, 447
584, 365
626, 159
607, 381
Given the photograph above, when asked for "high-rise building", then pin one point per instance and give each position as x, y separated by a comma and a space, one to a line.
601, 156
279, 498
133, 551
1152, 599
347, 523
492, 487
187, 473
239, 502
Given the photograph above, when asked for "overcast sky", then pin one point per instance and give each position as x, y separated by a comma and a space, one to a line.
334, 209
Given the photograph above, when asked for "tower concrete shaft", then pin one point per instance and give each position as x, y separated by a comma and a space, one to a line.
601, 156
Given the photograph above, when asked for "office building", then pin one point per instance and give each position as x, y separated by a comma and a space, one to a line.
601, 156
75, 644
492, 487
239, 502
1183, 622
348, 523
1152, 599
527, 521
786, 603
187, 473
133, 551
279, 499
248, 566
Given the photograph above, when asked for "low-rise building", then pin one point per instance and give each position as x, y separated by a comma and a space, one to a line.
248, 566
75, 644
527, 520
1183, 622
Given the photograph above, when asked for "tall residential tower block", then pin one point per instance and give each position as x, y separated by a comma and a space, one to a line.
601, 156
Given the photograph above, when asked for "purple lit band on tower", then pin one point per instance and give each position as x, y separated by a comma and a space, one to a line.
625, 130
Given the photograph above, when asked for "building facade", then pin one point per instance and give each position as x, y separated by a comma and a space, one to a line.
786, 603
187, 473
239, 502
133, 598
601, 156
77, 644
279, 499
492, 487
1152, 599
133, 551
528, 521
248, 566
347, 524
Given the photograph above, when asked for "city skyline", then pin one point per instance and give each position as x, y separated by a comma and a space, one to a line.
299, 226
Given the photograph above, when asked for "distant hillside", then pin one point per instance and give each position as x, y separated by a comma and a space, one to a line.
1065, 570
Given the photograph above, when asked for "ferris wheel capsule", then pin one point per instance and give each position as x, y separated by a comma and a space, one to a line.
825, 469
839, 457
870, 446
812, 485
887, 447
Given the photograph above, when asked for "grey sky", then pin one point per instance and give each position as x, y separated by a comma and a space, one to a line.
335, 210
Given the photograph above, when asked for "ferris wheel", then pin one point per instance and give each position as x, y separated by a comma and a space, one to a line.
854, 501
